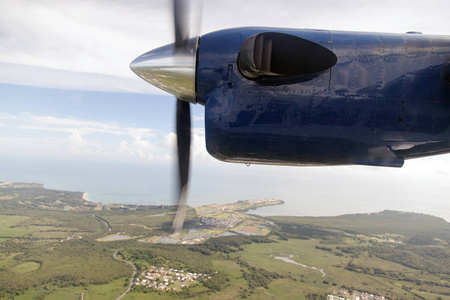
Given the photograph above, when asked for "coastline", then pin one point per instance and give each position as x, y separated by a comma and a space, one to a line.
85, 197
299, 208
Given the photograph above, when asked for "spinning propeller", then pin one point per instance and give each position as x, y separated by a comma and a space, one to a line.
172, 68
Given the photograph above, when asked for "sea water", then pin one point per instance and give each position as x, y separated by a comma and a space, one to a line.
153, 184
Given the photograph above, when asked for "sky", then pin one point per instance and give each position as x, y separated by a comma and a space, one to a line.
68, 97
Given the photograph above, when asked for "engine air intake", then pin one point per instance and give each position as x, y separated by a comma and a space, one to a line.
273, 54
446, 73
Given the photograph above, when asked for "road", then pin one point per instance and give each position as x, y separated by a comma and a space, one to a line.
132, 277
106, 222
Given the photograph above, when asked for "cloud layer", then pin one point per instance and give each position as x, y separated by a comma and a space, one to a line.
45, 136
102, 37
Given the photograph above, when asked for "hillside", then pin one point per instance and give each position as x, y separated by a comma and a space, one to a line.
418, 227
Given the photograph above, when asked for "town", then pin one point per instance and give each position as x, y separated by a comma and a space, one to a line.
356, 295
168, 280
20, 185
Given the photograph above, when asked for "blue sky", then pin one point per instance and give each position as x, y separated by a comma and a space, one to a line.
88, 124
67, 94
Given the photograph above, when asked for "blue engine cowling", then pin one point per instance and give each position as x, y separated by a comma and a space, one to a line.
345, 98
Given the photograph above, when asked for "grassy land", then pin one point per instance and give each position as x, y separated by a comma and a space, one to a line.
100, 291
48, 252
27, 267
10, 226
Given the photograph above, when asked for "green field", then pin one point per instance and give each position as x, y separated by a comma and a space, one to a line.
27, 267
101, 292
10, 226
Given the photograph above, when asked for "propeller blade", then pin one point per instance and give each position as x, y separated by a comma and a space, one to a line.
183, 120
172, 68
181, 11
184, 48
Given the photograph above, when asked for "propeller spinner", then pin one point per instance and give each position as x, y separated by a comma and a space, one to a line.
172, 68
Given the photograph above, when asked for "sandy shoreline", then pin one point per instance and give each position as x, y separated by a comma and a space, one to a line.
85, 197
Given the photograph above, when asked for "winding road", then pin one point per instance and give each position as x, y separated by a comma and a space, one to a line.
115, 257
106, 222
132, 277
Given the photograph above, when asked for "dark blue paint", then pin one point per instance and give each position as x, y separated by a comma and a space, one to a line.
384, 101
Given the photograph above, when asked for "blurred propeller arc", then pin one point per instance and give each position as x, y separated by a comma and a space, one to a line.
172, 68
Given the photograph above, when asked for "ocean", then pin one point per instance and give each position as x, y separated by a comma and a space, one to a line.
306, 192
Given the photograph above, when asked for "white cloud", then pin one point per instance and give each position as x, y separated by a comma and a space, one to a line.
68, 125
70, 80
76, 138
50, 136
139, 133
199, 155
98, 39
137, 149
170, 140
198, 118
83, 36
76, 145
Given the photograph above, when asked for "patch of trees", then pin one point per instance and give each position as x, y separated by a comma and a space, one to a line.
431, 259
358, 269
379, 272
422, 240
352, 249
186, 292
397, 276
130, 230
256, 277
303, 232
71, 263
172, 256
324, 248
315, 296
228, 244
217, 282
